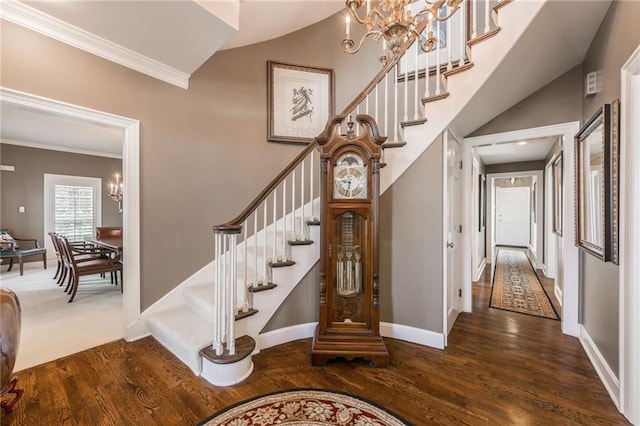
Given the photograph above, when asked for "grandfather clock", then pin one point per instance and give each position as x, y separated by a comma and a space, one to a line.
349, 323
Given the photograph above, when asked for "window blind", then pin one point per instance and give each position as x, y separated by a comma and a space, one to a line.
74, 211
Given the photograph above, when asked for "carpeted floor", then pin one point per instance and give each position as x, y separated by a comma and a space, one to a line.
516, 286
51, 327
310, 407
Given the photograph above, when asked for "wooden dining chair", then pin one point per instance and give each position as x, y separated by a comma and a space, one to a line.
87, 266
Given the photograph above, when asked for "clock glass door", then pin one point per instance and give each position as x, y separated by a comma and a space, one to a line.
349, 283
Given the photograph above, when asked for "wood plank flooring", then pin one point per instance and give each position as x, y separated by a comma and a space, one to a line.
500, 368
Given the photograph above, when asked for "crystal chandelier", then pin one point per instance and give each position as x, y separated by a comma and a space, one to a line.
115, 192
392, 21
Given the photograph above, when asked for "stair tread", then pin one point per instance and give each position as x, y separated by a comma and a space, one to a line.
300, 242
415, 122
398, 144
282, 264
183, 331
435, 97
264, 287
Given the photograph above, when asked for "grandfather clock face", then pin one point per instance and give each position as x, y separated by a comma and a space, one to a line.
350, 177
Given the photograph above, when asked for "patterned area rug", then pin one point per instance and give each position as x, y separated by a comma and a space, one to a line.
516, 286
309, 407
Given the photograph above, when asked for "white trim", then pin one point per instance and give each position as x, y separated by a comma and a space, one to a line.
35, 20
59, 148
629, 322
444, 139
550, 257
607, 377
480, 270
131, 179
412, 334
569, 252
557, 292
287, 334
394, 331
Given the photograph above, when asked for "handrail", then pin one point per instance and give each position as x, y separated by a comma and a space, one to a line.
234, 226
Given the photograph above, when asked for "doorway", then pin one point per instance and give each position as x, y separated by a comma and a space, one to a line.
130, 129
513, 216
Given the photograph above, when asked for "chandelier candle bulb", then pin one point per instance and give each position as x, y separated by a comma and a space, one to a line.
347, 22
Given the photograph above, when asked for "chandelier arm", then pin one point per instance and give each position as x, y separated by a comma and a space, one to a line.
444, 18
354, 12
364, 37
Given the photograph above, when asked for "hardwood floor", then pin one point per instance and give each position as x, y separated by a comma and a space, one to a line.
500, 368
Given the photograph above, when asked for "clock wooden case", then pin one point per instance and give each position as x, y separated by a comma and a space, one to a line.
349, 321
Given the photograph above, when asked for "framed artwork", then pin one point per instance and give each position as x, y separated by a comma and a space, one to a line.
557, 192
482, 201
596, 157
300, 102
534, 207
447, 33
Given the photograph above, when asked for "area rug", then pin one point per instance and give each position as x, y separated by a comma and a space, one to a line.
311, 407
516, 286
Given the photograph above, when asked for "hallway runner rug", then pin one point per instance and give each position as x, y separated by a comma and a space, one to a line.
311, 407
516, 286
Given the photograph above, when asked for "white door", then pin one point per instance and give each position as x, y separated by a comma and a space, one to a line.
452, 229
513, 216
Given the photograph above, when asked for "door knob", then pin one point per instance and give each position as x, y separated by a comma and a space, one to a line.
450, 245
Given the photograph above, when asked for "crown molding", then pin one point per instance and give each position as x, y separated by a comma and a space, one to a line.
58, 148
31, 18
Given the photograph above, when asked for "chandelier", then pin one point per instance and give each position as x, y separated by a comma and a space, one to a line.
115, 192
392, 21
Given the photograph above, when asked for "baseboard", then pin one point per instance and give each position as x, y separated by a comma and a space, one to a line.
412, 334
137, 330
609, 380
395, 331
480, 270
557, 292
287, 334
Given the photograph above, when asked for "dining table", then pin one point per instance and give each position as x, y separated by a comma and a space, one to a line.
110, 243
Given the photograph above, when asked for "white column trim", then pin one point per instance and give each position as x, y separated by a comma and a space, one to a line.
131, 179
629, 272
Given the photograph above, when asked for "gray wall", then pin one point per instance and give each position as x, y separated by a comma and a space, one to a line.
193, 142
25, 186
302, 304
615, 41
411, 245
558, 102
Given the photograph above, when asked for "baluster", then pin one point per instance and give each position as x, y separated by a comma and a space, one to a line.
284, 220
427, 71
386, 105
474, 18
275, 223
216, 298
415, 81
462, 14
311, 186
405, 116
265, 277
223, 293
449, 38
231, 310
395, 103
245, 303
293, 203
438, 57
487, 22
255, 248
302, 224
366, 104
376, 102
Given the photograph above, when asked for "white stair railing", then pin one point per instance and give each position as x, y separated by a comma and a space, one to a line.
277, 218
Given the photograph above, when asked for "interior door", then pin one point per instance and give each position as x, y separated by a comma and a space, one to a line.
513, 216
453, 230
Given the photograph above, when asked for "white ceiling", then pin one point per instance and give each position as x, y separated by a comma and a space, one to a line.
516, 151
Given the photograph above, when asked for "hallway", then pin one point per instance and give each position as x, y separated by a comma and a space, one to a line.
500, 368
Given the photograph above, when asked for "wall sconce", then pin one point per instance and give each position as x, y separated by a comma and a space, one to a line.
115, 192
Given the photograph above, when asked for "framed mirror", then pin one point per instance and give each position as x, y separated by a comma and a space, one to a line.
596, 183
556, 188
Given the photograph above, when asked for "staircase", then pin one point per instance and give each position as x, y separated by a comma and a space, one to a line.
261, 255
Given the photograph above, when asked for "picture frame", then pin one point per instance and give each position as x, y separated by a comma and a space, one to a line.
534, 203
451, 27
300, 102
482, 202
557, 170
596, 159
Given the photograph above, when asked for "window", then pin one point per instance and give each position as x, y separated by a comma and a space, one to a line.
72, 206
74, 211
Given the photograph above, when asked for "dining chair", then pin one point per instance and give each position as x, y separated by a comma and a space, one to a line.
87, 266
